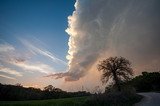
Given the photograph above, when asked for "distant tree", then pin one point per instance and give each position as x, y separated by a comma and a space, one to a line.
116, 68
49, 88
19, 85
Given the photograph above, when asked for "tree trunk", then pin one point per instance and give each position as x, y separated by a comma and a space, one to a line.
116, 81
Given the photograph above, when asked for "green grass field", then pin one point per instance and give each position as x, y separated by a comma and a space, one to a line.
76, 101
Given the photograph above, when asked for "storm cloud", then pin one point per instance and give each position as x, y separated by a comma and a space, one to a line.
101, 28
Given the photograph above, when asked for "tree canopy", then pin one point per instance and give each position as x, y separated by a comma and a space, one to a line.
116, 68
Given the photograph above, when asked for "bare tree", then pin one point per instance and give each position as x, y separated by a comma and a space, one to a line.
115, 68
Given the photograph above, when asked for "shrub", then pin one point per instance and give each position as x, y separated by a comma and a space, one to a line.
112, 97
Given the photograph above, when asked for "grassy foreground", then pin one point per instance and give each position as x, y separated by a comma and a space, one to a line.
99, 100
76, 101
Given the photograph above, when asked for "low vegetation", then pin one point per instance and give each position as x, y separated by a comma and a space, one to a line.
76, 101
114, 99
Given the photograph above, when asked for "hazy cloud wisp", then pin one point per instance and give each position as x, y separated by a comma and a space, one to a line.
41, 51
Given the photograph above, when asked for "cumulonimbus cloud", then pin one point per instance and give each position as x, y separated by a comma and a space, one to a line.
102, 28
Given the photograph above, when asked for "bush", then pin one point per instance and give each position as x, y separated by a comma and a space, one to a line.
112, 97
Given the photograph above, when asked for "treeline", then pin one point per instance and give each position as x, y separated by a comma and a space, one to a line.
146, 82
18, 92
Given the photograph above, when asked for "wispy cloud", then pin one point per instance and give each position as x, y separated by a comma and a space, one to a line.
4, 76
38, 50
18, 59
34, 67
6, 47
10, 71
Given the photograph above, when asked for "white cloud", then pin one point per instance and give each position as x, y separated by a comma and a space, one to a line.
4, 76
10, 71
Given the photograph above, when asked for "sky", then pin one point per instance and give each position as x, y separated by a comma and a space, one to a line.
33, 41
61, 42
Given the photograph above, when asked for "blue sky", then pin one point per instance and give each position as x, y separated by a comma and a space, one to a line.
43, 19
32, 32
